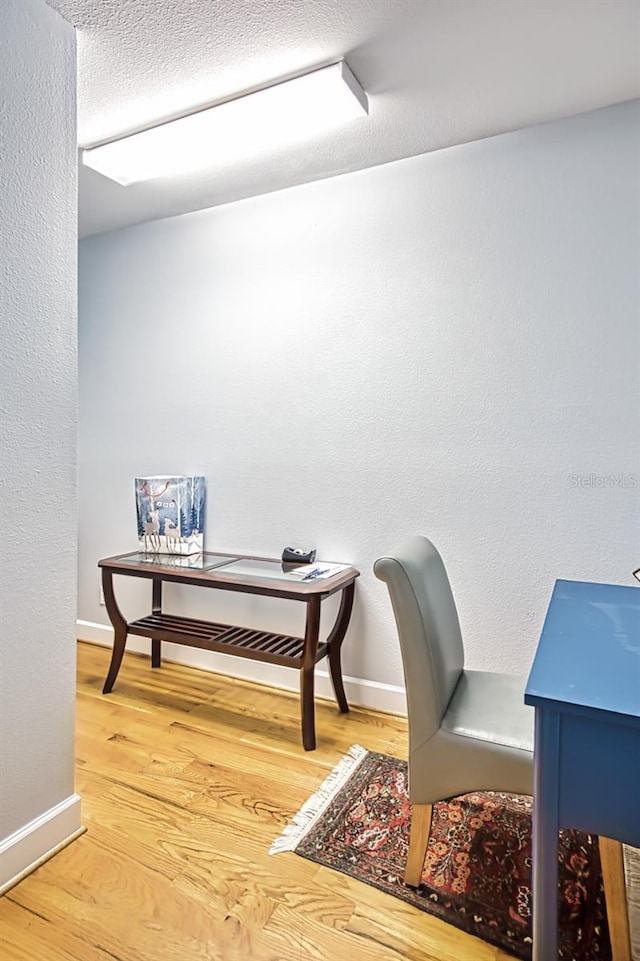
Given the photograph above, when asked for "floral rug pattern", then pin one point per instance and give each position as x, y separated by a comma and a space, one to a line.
477, 872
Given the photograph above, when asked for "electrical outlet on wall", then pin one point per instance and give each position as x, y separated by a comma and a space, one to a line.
101, 595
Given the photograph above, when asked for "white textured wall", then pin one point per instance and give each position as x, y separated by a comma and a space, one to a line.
437, 345
37, 411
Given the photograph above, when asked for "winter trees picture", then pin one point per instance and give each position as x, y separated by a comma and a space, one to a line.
171, 514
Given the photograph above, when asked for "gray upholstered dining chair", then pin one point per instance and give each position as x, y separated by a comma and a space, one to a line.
468, 730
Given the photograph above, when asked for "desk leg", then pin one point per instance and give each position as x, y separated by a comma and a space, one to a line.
545, 835
307, 673
156, 607
119, 630
335, 639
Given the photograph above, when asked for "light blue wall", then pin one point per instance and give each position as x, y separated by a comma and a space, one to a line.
38, 386
436, 345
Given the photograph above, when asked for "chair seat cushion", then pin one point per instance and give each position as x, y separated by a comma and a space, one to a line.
490, 707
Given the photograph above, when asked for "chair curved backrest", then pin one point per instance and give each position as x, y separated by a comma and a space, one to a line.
428, 629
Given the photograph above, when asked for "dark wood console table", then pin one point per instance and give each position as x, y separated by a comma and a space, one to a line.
254, 576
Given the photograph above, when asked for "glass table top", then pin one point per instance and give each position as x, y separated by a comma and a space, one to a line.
194, 562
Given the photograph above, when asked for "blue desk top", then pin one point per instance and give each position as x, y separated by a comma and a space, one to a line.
589, 650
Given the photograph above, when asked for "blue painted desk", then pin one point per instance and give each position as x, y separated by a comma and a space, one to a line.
585, 687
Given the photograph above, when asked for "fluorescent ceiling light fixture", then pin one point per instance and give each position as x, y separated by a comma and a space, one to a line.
251, 125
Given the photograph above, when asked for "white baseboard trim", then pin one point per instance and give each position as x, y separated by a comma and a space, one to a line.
388, 698
26, 849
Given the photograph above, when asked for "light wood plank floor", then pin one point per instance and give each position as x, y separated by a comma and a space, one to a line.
186, 777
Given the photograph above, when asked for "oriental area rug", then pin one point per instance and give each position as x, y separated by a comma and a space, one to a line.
477, 872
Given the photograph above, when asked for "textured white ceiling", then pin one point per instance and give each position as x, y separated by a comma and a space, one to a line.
437, 72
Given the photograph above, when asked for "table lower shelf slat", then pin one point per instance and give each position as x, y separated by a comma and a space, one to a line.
208, 635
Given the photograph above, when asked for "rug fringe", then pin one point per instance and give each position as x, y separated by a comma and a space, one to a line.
313, 807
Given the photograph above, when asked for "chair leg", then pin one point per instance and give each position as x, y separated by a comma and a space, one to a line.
615, 895
418, 840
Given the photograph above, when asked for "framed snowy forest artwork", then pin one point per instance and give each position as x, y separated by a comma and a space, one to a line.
171, 514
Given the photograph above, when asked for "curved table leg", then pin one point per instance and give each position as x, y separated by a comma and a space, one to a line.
119, 630
307, 673
334, 641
